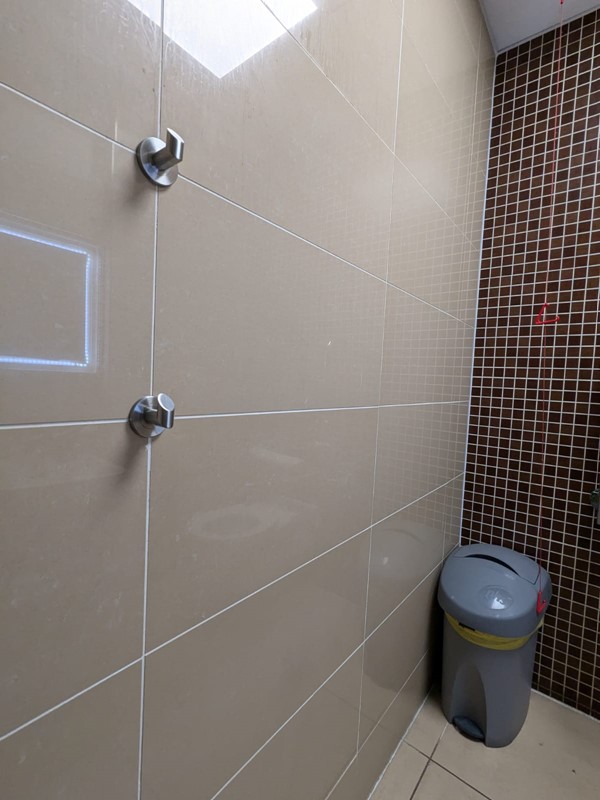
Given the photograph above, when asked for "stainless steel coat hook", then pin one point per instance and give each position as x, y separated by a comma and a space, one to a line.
152, 415
158, 160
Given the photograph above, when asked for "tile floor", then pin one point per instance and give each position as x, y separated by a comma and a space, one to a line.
556, 757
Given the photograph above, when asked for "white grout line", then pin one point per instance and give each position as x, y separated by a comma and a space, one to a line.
70, 424
477, 296
57, 113
144, 616
35, 425
152, 389
68, 700
316, 410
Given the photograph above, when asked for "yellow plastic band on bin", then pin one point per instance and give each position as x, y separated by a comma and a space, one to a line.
489, 640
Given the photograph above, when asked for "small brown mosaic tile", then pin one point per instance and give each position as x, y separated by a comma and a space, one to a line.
511, 497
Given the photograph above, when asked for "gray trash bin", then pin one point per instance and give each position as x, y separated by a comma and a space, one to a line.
492, 615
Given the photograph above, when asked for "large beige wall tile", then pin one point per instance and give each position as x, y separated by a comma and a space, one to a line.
215, 695
359, 779
430, 256
449, 48
273, 133
426, 353
419, 448
424, 125
306, 757
72, 537
76, 245
357, 45
472, 19
88, 748
405, 548
96, 63
239, 501
435, 126
250, 318
393, 651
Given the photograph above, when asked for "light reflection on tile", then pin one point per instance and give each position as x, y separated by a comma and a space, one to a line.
43, 339
77, 294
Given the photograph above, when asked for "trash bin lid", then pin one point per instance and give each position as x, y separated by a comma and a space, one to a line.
493, 589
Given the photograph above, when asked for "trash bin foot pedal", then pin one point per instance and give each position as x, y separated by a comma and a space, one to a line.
468, 728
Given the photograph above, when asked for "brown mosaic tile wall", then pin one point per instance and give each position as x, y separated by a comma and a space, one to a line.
505, 480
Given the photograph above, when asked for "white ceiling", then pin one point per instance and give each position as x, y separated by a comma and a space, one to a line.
514, 21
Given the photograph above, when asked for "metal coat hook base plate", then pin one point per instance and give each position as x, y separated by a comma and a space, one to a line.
151, 415
158, 160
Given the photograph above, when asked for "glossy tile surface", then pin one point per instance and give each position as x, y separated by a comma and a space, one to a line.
402, 775
71, 562
426, 353
273, 133
218, 693
306, 757
359, 779
87, 748
419, 449
448, 47
250, 318
423, 134
357, 46
96, 63
239, 501
430, 256
554, 756
394, 650
76, 238
405, 548
434, 135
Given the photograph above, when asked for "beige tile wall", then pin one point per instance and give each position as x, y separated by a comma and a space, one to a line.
243, 608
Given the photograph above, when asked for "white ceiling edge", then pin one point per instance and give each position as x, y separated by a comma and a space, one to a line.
512, 22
